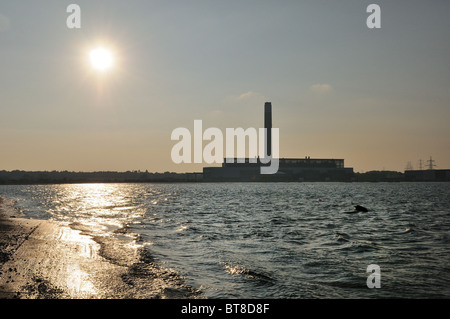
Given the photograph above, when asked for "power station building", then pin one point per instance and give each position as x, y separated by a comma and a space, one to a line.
430, 175
289, 169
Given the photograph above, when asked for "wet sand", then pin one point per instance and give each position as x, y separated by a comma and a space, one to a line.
46, 260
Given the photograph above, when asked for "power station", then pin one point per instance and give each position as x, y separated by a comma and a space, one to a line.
290, 169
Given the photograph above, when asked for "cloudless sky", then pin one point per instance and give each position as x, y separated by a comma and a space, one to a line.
376, 97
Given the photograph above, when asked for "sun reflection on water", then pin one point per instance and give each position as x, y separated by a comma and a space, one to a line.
82, 250
78, 282
100, 206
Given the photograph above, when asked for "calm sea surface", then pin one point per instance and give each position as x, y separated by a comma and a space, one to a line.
271, 240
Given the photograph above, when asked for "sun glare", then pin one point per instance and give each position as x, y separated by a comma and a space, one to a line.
101, 59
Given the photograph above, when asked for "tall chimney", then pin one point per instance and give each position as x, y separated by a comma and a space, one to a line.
268, 127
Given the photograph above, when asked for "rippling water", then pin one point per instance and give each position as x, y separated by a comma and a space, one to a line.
272, 240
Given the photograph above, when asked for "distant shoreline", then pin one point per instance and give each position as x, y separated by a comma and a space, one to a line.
18, 177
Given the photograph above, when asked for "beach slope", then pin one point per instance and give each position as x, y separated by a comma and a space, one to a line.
45, 260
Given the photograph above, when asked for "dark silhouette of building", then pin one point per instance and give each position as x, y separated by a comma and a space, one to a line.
428, 175
290, 169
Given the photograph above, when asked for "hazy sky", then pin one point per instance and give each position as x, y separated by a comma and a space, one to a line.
376, 97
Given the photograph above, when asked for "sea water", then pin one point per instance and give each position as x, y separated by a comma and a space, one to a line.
270, 240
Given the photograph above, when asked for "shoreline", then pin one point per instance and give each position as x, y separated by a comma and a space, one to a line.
42, 259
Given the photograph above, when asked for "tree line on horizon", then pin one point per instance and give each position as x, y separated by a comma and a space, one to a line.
66, 177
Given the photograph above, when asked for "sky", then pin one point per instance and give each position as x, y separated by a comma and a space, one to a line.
378, 98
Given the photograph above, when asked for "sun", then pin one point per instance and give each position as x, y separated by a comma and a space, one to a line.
102, 59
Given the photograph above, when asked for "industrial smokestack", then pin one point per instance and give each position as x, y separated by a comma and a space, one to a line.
268, 127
